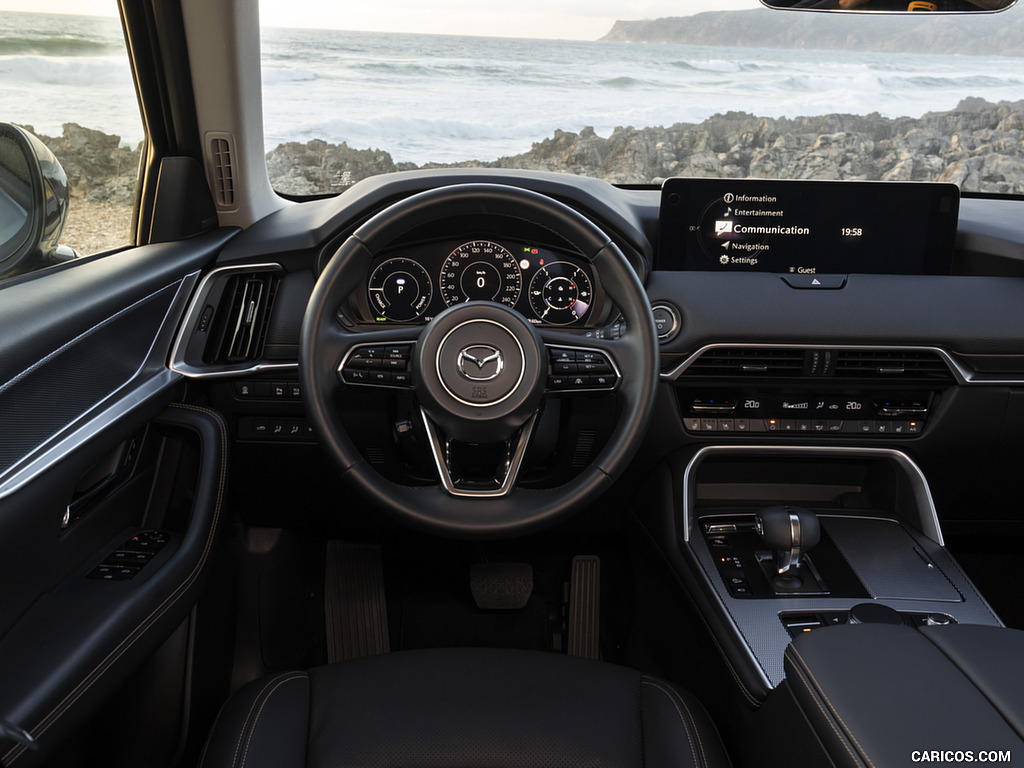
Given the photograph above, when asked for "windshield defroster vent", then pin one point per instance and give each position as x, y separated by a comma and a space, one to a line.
241, 325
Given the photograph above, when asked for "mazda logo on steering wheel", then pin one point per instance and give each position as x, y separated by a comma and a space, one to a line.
480, 362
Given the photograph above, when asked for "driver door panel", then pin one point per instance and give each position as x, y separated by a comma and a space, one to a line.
95, 451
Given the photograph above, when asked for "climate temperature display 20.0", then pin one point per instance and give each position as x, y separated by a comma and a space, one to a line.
560, 293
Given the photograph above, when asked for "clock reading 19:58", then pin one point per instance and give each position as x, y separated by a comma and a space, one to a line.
480, 271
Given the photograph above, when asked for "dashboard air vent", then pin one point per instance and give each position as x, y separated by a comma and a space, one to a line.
891, 364
222, 161
749, 361
242, 318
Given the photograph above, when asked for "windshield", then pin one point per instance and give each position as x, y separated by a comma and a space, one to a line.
735, 91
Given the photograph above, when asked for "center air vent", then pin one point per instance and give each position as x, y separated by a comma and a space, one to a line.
816, 363
242, 318
749, 362
891, 364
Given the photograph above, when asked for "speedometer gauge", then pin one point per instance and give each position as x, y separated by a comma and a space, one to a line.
481, 271
399, 290
560, 293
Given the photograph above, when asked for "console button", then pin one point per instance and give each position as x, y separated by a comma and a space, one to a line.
692, 423
811, 282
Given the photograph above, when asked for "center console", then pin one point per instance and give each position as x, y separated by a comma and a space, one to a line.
878, 694
783, 541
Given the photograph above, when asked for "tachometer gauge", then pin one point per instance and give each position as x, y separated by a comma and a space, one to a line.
560, 293
481, 271
399, 290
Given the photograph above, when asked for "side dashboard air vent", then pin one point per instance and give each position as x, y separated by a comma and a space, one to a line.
749, 361
891, 364
240, 325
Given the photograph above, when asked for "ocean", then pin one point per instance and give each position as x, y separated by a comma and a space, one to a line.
430, 98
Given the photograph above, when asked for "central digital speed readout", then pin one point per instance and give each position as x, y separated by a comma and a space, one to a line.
481, 271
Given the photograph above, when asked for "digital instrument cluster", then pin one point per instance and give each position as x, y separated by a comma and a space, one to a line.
413, 284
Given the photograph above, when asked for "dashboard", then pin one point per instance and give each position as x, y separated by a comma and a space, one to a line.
753, 354
413, 283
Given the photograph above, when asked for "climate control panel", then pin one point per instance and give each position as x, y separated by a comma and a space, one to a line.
902, 415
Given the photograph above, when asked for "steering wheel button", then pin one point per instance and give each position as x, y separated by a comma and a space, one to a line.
397, 353
564, 368
394, 364
401, 378
602, 380
563, 356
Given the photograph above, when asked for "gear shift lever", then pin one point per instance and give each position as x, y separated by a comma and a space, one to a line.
789, 531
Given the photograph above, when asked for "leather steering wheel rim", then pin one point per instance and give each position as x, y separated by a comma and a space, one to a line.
324, 341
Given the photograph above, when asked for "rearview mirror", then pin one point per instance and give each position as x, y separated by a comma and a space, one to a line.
892, 6
33, 203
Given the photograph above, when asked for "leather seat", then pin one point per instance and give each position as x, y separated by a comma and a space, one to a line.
478, 708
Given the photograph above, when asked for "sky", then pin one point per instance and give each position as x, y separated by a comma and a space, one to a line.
570, 20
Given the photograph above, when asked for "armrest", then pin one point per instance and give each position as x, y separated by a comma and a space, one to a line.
890, 695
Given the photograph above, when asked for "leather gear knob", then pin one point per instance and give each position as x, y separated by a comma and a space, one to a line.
789, 531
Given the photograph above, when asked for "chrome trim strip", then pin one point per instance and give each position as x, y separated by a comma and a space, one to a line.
961, 373
929, 522
792, 556
151, 378
192, 316
511, 472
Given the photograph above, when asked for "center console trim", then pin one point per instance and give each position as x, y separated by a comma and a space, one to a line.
928, 524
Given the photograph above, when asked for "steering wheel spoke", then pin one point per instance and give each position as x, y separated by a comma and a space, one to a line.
457, 479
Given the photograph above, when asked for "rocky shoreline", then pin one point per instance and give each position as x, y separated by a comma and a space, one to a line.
977, 145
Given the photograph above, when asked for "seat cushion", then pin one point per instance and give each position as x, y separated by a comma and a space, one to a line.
478, 708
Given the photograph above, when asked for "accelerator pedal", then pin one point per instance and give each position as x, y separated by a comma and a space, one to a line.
501, 586
585, 608
355, 610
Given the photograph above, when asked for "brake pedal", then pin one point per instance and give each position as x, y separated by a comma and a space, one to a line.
355, 609
585, 608
501, 586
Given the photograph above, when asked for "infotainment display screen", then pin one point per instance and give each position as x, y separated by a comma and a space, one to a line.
808, 227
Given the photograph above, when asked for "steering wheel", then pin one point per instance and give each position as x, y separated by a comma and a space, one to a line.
479, 371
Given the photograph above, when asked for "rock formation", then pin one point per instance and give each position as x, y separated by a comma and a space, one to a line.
978, 145
972, 34
99, 168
